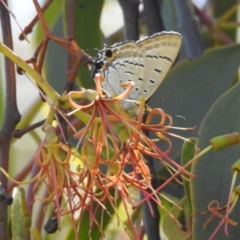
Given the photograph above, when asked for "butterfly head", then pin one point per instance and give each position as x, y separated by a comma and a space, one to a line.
102, 61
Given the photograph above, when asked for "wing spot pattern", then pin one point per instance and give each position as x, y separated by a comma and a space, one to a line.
120, 64
157, 70
152, 56
129, 72
135, 64
128, 62
162, 57
166, 58
138, 64
151, 81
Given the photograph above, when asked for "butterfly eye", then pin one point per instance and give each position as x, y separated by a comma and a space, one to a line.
96, 67
108, 53
99, 65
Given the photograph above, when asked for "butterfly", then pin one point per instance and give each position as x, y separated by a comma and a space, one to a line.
144, 62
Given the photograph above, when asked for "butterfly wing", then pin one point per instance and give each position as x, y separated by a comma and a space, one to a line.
145, 62
160, 51
126, 64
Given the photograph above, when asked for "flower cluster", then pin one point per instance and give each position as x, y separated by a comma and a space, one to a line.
112, 147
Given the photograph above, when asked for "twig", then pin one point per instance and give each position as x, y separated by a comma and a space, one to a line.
131, 16
152, 16
151, 223
221, 36
188, 28
11, 116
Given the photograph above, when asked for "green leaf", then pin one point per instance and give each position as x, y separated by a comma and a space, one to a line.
95, 231
19, 218
56, 59
51, 15
188, 151
220, 8
171, 228
192, 86
213, 170
87, 32
56, 56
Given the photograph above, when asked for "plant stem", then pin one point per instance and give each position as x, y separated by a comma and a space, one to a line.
11, 117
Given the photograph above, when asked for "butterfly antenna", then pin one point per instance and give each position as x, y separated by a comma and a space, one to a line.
91, 49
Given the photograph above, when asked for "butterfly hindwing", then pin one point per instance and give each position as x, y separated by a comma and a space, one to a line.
126, 65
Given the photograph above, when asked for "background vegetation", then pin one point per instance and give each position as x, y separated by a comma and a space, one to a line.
202, 88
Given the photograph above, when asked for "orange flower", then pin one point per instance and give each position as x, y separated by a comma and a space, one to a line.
112, 142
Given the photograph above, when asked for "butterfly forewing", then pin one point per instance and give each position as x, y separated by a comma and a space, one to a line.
160, 51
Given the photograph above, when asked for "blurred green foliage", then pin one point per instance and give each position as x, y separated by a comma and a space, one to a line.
205, 91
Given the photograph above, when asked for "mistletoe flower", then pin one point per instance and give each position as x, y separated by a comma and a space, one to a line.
62, 184
113, 147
